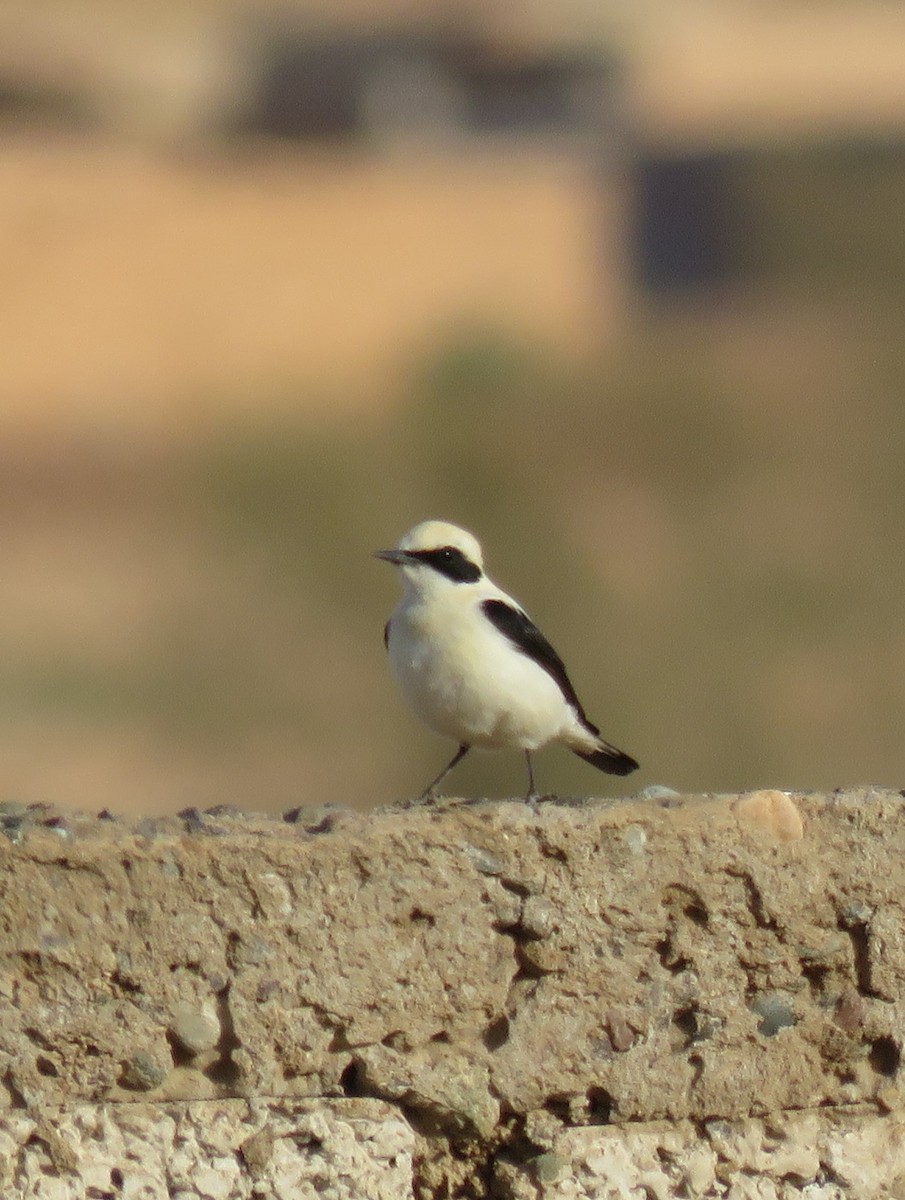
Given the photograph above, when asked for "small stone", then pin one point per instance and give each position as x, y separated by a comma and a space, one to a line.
775, 1013
622, 1035
194, 1029
548, 1167
539, 917
659, 792
142, 1073
772, 813
849, 1014
483, 861
257, 1150
193, 819
717, 1129
855, 915
12, 827
635, 838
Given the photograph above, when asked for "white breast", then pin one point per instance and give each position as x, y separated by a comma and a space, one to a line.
465, 680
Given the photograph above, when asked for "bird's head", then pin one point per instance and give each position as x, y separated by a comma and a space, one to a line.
435, 555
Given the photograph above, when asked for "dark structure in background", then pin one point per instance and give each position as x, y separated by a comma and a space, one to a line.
385, 85
36, 104
703, 220
686, 221
698, 218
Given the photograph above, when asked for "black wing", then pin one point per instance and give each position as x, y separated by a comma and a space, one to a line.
527, 638
386, 635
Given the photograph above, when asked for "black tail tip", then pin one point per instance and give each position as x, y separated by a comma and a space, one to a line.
614, 762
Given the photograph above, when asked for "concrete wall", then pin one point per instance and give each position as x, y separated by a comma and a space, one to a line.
674, 996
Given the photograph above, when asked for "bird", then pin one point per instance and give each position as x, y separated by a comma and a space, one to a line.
472, 664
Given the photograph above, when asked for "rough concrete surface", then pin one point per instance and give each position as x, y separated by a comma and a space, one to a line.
209, 1150
689, 996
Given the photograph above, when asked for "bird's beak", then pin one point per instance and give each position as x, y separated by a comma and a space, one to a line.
397, 557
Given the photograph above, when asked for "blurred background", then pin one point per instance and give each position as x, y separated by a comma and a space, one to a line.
617, 284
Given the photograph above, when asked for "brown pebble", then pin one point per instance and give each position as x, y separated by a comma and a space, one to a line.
849, 1013
621, 1033
773, 813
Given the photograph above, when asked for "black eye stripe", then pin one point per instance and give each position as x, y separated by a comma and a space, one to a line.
451, 562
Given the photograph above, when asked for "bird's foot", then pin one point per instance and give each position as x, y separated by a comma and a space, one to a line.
533, 799
427, 799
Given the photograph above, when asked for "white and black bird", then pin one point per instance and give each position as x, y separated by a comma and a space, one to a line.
473, 665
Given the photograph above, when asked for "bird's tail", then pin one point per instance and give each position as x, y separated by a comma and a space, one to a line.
602, 755
609, 759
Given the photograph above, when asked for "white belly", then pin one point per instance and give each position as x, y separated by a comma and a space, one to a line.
467, 683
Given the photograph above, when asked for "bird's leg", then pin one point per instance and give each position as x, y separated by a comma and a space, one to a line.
531, 798
428, 793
